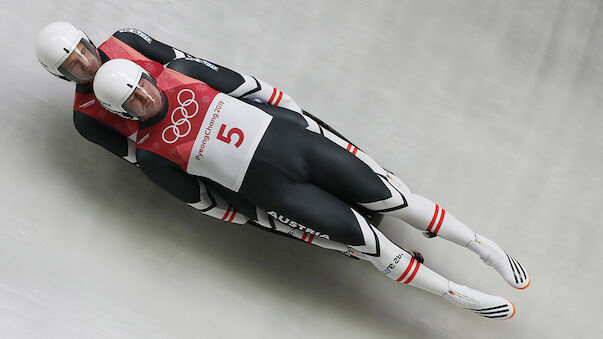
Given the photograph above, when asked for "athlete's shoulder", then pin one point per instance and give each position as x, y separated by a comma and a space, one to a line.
86, 125
146, 157
84, 88
189, 61
127, 34
149, 160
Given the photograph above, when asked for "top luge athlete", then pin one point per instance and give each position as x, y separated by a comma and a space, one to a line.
189, 129
67, 52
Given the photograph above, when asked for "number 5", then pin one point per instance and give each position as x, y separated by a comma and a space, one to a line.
228, 138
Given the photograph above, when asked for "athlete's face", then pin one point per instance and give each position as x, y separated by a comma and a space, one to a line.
81, 63
146, 100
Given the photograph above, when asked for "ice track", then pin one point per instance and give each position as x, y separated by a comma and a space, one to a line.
491, 108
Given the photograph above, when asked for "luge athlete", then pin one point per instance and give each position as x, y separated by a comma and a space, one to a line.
190, 130
68, 53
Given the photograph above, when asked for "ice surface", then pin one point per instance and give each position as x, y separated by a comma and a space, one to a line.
491, 108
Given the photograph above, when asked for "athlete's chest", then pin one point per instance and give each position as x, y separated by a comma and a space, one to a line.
89, 105
117, 49
187, 109
207, 133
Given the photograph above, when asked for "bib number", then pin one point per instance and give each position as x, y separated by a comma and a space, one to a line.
228, 137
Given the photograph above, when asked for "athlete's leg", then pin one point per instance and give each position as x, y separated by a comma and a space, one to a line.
432, 219
317, 126
298, 204
340, 173
401, 266
313, 124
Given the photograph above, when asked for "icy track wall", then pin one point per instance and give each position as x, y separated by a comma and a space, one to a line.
491, 108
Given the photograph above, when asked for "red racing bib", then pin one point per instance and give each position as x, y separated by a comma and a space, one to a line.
87, 103
206, 132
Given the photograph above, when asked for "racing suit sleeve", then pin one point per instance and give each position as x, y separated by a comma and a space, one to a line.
186, 187
105, 136
147, 46
218, 77
233, 83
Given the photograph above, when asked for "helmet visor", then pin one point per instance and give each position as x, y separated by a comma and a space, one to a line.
82, 63
146, 99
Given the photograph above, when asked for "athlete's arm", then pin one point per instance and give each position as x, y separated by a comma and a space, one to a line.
233, 83
147, 46
188, 188
303, 119
104, 135
219, 77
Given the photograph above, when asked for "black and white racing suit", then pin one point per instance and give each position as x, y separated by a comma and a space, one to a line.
210, 198
305, 173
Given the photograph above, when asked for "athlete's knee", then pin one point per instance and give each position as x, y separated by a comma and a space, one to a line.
415, 200
397, 183
380, 250
418, 209
391, 198
344, 228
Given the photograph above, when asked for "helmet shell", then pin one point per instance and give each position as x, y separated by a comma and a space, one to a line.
55, 43
114, 82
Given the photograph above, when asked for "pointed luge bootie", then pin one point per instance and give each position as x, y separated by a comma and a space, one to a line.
507, 266
482, 304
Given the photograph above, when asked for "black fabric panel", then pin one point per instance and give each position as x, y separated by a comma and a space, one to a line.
103, 56
85, 87
155, 50
280, 113
324, 125
169, 176
242, 205
222, 79
306, 177
100, 133
257, 88
307, 157
304, 203
295, 118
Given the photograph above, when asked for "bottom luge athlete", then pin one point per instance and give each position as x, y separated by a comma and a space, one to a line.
66, 52
267, 157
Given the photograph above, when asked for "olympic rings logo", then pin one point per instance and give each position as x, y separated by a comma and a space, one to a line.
183, 116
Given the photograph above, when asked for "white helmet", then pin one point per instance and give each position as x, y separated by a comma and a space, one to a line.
115, 81
55, 43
